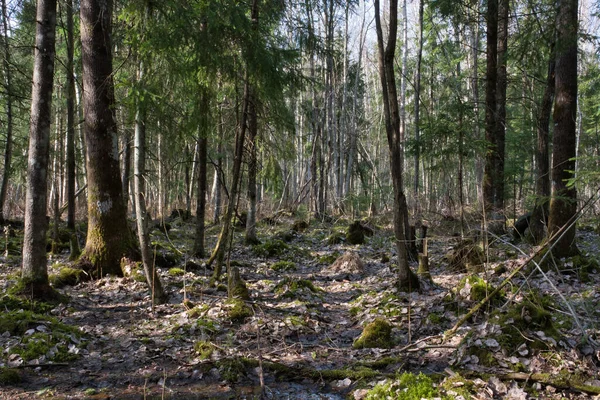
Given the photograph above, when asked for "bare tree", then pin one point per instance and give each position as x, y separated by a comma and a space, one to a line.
407, 280
35, 269
9, 114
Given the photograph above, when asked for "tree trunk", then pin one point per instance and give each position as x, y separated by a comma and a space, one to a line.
407, 280
252, 170
108, 236
218, 184
502, 81
35, 270
159, 295
489, 182
71, 207
203, 131
126, 166
563, 206
539, 216
9, 115
418, 108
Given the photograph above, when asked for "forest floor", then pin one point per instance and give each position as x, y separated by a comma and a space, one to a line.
535, 340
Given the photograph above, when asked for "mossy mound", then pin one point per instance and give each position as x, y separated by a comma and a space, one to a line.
238, 310
476, 289
407, 387
300, 225
204, 349
355, 234
41, 336
37, 291
528, 318
9, 376
293, 288
236, 286
176, 271
336, 238
377, 334
283, 266
67, 276
466, 256
270, 248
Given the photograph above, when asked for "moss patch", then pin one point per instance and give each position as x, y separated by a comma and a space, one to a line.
476, 289
377, 334
175, 271
292, 287
204, 349
407, 387
466, 256
67, 276
9, 376
238, 310
41, 336
283, 266
270, 248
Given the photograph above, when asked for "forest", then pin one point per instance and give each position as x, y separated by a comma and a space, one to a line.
300, 199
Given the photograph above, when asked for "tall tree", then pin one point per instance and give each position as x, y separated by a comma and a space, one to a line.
407, 280
251, 237
489, 178
35, 270
70, 118
108, 236
563, 206
6, 70
539, 216
203, 132
218, 254
159, 295
500, 123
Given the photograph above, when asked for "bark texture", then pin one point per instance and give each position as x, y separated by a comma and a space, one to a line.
108, 236
407, 280
563, 206
9, 115
539, 216
35, 270
202, 175
490, 104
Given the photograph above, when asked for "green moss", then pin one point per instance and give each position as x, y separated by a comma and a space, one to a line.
486, 357
236, 286
479, 289
207, 326
9, 376
232, 369
204, 349
377, 334
36, 291
456, 385
271, 248
41, 336
238, 310
66, 276
176, 271
290, 287
283, 266
328, 259
336, 238
10, 302
407, 387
